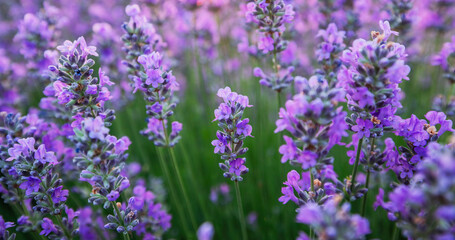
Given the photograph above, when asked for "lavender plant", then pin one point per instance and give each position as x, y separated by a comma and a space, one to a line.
270, 18
373, 70
424, 209
229, 142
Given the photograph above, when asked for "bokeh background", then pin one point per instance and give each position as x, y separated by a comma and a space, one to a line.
204, 50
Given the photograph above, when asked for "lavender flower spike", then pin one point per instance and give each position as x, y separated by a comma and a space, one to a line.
234, 130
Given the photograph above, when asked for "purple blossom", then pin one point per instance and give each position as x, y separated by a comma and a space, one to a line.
205, 231
243, 128
220, 144
48, 227
237, 167
59, 195
91, 89
289, 150
30, 185
95, 127
113, 195
363, 127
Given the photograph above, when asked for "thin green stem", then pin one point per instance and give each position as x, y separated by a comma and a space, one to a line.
173, 193
312, 180
179, 177
364, 201
275, 63
312, 189
356, 164
182, 188
240, 208
395, 232
193, 181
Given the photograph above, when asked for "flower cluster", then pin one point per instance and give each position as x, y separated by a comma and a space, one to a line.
4, 233
315, 122
322, 190
158, 86
328, 52
154, 220
140, 38
101, 159
443, 60
33, 170
73, 85
234, 130
424, 209
418, 133
270, 18
35, 35
220, 194
332, 220
151, 76
371, 77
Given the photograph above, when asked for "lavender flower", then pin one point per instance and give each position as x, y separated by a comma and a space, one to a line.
101, 160
333, 221
100, 156
229, 142
152, 77
328, 52
73, 84
315, 122
371, 75
443, 59
428, 198
270, 18
220, 194
322, 191
158, 85
205, 231
418, 133
4, 233
154, 220
34, 173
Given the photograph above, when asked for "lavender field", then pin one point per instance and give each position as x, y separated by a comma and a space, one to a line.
227, 119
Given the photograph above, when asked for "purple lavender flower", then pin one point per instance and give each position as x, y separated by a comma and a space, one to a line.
4, 233
333, 221
427, 198
229, 142
309, 117
48, 227
205, 231
152, 214
158, 85
74, 85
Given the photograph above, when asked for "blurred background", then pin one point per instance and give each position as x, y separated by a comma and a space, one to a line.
209, 45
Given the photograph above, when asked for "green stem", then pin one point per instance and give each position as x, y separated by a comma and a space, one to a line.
364, 201
179, 177
395, 232
312, 180
172, 190
312, 189
240, 208
275, 64
356, 164
193, 181
182, 188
